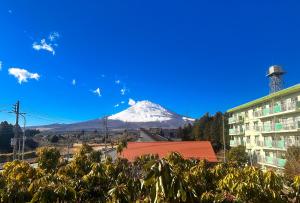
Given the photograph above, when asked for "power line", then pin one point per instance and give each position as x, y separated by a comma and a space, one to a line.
47, 118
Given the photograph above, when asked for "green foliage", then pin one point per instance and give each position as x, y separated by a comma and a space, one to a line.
238, 155
292, 166
48, 158
148, 179
6, 134
121, 145
207, 128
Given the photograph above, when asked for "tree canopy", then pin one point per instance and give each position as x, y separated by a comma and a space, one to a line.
207, 128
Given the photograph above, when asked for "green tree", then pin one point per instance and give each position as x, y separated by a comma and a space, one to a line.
48, 158
6, 134
292, 166
238, 155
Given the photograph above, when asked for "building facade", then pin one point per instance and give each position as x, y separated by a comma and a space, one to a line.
267, 127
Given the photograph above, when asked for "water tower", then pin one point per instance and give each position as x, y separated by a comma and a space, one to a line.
275, 74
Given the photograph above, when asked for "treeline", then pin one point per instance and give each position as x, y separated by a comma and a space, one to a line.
7, 132
90, 178
208, 128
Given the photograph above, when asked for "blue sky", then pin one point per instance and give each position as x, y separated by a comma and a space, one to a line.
189, 56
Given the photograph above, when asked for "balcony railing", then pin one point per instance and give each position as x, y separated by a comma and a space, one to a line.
236, 119
278, 127
280, 144
278, 108
277, 162
231, 120
236, 131
235, 143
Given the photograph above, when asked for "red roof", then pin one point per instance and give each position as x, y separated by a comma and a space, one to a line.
188, 149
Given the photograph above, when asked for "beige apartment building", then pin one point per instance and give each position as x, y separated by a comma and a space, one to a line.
267, 126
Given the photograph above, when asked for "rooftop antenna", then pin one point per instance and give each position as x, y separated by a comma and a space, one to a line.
275, 75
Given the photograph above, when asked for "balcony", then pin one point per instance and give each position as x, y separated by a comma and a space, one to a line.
279, 144
281, 127
236, 119
269, 160
266, 111
278, 109
281, 162
236, 131
273, 161
231, 120
235, 143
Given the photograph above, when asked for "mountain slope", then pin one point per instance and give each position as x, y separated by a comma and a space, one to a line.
143, 114
145, 111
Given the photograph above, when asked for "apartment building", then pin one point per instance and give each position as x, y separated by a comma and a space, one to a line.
267, 126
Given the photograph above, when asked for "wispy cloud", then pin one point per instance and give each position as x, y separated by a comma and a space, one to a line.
0, 65
43, 45
124, 90
97, 92
117, 81
47, 46
22, 75
74, 82
131, 102
122, 102
117, 105
53, 36
10, 11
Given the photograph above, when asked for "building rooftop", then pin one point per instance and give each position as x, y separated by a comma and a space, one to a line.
280, 93
188, 149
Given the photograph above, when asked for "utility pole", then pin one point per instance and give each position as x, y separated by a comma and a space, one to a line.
68, 151
16, 142
224, 142
106, 134
126, 135
16, 110
24, 135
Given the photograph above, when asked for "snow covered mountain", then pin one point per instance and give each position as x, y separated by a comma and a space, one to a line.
143, 114
146, 111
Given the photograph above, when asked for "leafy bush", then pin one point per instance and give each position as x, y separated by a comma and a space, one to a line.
87, 178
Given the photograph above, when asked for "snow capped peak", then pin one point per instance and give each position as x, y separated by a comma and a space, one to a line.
145, 111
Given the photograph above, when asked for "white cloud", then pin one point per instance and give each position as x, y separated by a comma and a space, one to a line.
53, 36
0, 65
117, 105
97, 92
117, 81
22, 75
47, 46
43, 45
123, 91
122, 102
73, 82
131, 102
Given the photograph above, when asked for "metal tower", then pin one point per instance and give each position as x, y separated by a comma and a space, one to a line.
275, 75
